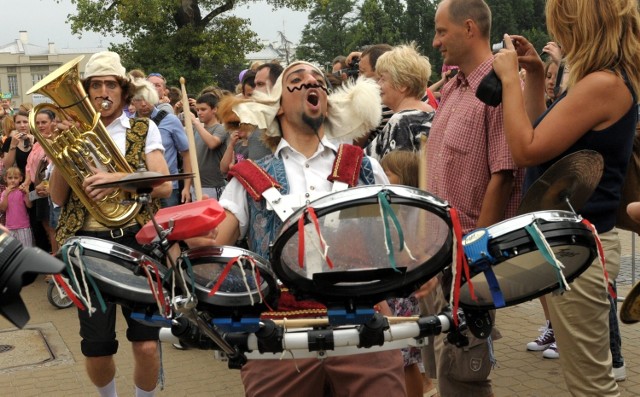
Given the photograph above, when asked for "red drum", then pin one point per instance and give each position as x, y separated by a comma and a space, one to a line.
189, 220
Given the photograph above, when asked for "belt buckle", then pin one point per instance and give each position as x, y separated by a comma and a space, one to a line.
118, 233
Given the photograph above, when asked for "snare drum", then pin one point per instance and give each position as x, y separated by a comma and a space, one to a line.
521, 270
247, 289
363, 244
116, 270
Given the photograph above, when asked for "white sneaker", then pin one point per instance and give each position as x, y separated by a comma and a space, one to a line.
543, 341
551, 352
620, 374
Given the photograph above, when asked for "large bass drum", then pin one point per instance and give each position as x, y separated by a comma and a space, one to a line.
364, 244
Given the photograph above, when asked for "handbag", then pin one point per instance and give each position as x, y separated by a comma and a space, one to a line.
631, 188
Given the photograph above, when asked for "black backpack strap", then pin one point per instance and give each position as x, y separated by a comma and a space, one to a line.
161, 115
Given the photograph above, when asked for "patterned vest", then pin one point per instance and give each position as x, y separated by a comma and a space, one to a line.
73, 212
265, 224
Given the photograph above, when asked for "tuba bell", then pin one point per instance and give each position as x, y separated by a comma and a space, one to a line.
78, 151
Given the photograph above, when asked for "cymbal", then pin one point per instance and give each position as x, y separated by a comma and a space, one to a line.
630, 309
143, 180
566, 185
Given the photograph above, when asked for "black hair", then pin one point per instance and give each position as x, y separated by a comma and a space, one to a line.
209, 99
275, 70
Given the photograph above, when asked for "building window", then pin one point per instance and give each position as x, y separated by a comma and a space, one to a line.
13, 84
38, 73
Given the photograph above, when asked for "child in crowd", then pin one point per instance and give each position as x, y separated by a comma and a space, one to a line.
14, 201
402, 168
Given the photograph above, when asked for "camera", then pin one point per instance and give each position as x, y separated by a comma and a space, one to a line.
495, 48
19, 267
352, 70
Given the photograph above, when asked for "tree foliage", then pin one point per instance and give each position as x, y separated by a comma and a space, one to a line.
328, 32
190, 38
397, 22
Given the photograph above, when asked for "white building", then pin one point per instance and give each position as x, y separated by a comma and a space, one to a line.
23, 64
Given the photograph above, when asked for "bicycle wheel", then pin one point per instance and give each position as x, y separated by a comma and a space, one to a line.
57, 300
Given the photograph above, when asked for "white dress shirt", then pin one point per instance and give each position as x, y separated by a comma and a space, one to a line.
307, 178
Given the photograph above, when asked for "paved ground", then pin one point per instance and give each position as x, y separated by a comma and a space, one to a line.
197, 373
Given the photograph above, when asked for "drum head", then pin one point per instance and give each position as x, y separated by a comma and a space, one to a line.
358, 226
238, 294
116, 270
521, 270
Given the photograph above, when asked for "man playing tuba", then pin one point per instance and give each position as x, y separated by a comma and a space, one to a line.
139, 141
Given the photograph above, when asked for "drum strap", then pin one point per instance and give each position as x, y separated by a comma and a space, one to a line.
259, 184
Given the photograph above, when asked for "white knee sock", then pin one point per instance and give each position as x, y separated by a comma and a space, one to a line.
142, 393
109, 390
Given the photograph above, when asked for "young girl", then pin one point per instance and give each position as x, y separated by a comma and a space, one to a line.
14, 201
402, 168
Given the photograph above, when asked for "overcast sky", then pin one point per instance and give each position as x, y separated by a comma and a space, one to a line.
45, 21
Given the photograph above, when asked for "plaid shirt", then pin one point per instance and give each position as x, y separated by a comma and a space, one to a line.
466, 145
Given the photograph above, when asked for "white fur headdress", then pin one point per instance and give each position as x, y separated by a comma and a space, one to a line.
353, 109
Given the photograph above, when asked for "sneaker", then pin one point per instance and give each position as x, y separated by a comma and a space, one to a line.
551, 352
620, 374
179, 346
543, 342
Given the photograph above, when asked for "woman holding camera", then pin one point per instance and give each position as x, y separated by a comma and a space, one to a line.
18, 144
598, 111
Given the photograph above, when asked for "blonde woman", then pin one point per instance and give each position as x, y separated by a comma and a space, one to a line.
598, 111
403, 75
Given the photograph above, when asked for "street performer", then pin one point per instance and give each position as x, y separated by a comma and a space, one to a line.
139, 140
304, 122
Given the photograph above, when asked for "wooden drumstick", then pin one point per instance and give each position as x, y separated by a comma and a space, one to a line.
319, 322
422, 164
186, 110
422, 185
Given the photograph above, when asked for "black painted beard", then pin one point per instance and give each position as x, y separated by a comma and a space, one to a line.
313, 122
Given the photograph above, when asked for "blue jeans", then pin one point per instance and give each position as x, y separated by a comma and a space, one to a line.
615, 341
172, 200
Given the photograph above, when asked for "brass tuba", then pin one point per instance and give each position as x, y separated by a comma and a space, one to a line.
79, 150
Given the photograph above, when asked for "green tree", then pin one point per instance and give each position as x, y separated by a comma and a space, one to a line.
379, 22
420, 28
191, 38
521, 17
328, 32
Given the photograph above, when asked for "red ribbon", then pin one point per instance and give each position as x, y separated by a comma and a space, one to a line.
316, 224
461, 265
159, 296
601, 254
67, 290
